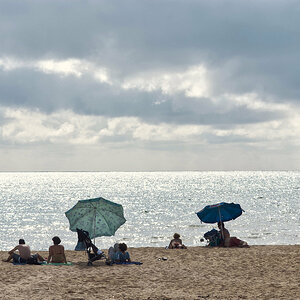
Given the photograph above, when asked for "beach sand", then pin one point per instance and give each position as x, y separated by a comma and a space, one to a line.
258, 272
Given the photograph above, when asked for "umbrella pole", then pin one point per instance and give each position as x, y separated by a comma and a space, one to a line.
222, 233
94, 224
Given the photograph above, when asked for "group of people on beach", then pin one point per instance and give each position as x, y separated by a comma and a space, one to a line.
21, 254
116, 254
225, 240
56, 253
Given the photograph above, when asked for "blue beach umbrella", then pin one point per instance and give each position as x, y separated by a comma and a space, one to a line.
220, 212
100, 217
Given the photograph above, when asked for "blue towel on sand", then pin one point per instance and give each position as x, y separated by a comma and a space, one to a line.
18, 264
45, 264
57, 264
129, 263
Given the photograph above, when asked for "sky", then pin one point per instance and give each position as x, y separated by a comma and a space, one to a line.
149, 85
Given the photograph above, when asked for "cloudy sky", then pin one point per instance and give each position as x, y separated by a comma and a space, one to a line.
144, 85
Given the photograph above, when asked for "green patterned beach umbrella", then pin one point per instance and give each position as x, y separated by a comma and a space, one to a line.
98, 216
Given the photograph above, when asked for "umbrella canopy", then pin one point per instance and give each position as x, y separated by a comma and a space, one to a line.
220, 212
100, 217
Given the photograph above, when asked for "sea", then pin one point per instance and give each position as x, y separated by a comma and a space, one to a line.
156, 205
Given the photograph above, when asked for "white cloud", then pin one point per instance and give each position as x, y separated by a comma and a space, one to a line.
254, 102
285, 130
111, 140
65, 127
74, 67
101, 74
68, 67
24, 126
8, 63
193, 82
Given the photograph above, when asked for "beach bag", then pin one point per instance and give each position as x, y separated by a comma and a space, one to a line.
213, 237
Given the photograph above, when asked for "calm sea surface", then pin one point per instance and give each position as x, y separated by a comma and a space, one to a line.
156, 205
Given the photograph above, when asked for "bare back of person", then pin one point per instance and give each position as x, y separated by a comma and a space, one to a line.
24, 251
57, 253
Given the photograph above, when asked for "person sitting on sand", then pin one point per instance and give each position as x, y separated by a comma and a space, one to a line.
23, 255
227, 240
176, 243
112, 253
56, 252
122, 255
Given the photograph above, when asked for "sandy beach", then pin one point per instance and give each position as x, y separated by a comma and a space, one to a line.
258, 272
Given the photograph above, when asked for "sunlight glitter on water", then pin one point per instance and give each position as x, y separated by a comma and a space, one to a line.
156, 204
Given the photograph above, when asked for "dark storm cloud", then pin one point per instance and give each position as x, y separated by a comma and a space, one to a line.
163, 32
33, 89
247, 46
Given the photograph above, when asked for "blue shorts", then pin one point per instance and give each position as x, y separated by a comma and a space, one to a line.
18, 259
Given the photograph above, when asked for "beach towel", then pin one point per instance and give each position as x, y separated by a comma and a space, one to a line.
129, 263
57, 264
44, 263
18, 263
24, 263
213, 237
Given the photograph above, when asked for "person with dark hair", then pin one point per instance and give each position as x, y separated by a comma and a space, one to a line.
122, 255
176, 243
24, 254
56, 252
227, 240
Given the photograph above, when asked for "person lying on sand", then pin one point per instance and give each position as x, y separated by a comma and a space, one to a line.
56, 252
176, 243
23, 255
227, 240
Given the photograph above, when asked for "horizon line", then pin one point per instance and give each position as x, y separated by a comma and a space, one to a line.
136, 171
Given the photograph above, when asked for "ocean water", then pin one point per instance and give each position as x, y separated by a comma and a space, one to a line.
156, 205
